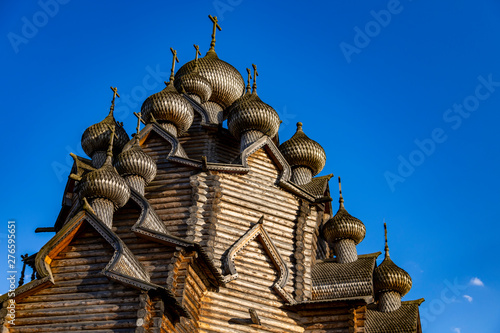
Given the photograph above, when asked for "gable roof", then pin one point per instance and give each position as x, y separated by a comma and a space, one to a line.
403, 320
333, 280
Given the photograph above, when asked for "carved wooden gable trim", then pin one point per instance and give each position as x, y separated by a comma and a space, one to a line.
259, 232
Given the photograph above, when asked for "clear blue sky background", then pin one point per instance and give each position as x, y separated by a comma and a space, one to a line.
366, 109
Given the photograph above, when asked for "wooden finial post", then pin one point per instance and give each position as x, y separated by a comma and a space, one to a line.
110, 147
138, 128
197, 47
255, 74
175, 59
249, 79
386, 243
115, 94
341, 198
216, 26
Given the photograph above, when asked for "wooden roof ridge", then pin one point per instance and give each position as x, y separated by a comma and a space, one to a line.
150, 226
334, 280
178, 155
360, 256
416, 301
205, 117
123, 266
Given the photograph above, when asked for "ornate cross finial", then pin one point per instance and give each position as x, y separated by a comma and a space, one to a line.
255, 74
386, 245
249, 79
341, 198
115, 94
174, 53
197, 47
216, 26
138, 128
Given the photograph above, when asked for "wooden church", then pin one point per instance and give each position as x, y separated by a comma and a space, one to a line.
193, 227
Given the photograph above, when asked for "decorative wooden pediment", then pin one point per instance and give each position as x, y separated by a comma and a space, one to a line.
150, 226
176, 154
259, 232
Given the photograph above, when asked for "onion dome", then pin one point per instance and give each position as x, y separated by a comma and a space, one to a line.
243, 98
135, 161
343, 225
194, 84
168, 106
252, 114
299, 150
389, 277
96, 137
227, 83
105, 182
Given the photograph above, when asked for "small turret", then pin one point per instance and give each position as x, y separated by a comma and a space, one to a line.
137, 167
251, 118
172, 111
95, 139
344, 232
390, 282
104, 188
306, 157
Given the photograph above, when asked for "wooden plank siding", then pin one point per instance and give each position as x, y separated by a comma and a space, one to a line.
227, 309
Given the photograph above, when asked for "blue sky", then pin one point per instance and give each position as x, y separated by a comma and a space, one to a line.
403, 95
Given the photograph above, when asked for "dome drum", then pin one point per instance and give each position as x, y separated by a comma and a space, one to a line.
301, 175
249, 137
136, 183
389, 301
104, 210
345, 250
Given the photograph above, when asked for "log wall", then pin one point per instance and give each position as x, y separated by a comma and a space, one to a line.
170, 193
245, 198
334, 318
227, 310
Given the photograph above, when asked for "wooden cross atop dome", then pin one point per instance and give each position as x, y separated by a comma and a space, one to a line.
175, 59
216, 26
115, 94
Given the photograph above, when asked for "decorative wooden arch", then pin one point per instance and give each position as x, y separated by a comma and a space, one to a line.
258, 231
